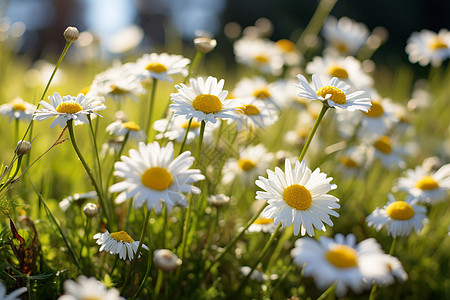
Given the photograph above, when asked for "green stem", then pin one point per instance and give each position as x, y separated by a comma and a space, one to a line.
16, 130
313, 131
150, 108
211, 231
159, 282
391, 250
147, 272
88, 170
327, 292
96, 150
86, 235
197, 58
200, 143
138, 251
10, 179
185, 135
283, 277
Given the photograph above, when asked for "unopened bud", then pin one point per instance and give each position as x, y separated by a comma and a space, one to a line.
23, 148
166, 260
205, 44
71, 34
90, 210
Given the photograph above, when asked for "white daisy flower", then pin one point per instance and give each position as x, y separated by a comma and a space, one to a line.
204, 100
14, 295
427, 47
88, 288
352, 161
341, 261
18, 109
379, 119
68, 108
384, 149
119, 243
298, 196
289, 52
256, 88
152, 176
262, 225
255, 114
400, 217
431, 187
335, 94
347, 69
119, 128
345, 36
218, 200
174, 129
396, 268
162, 66
261, 54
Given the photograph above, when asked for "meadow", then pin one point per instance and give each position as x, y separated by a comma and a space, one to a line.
312, 171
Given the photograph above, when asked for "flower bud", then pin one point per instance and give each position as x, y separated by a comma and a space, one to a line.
166, 260
22, 148
71, 34
90, 210
205, 44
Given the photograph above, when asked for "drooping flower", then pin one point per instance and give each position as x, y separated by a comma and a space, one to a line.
119, 243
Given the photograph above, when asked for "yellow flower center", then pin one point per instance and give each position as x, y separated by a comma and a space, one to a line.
400, 210
85, 90
375, 111
427, 183
249, 110
348, 162
262, 59
337, 71
286, 45
262, 93
18, 105
246, 164
156, 67
297, 197
131, 126
69, 107
122, 236
157, 178
337, 95
263, 221
117, 90
384, 144
342, 256
437, 44
207, 103
194, 125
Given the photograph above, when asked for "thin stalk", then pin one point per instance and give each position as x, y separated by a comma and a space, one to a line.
16, 130
185, 136
283, 277
99, 168
86, 235
88, 170
159, 282
150, 108
197, 59
147, 272
313, 131
327, 292
212, 230
164, 229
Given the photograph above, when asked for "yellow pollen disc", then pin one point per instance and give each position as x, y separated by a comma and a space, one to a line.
249, 110
263, 221
337, 71
348, 162
117, 90
262, 93
437, 44
427, 183
207, 103
156, 67
194, 125
131, 126
262, 59
286, 45
69, 107
85, 90
121, 236
18, 105
246, 164
157, 178
297, 197
384, 144
375, 111
337, 95
342, 256
400, 210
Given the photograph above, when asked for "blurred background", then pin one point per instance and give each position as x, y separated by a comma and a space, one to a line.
120, 25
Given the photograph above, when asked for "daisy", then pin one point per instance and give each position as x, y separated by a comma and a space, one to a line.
119, 128
255, 114
18, 109
261, 54
68, 108
347, 69
352, 161
341, 261
13, 295
345, 36
152, 176
252, 162
162, 66
395, 267
335, 94
262, 225
427, 47
289, 52
379, 119
383, 148
430, 186
118, 243
256, 88
400, 217
298, 196
204, 100
174, 129
88, 288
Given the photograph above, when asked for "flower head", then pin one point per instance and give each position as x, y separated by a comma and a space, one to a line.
261, 54
427, 47
298, 196
18, 109
345, 36
88, 288
174, 129
162, 66
119, 128
119, 243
